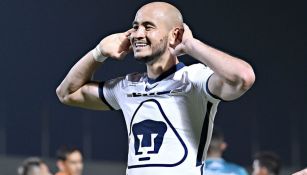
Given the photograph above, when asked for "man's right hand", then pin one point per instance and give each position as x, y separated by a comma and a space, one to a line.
116, 45
77, 89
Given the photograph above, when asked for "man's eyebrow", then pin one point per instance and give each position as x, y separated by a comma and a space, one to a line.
143, 23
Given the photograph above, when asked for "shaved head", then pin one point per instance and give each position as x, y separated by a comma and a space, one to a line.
156, 27
164, 12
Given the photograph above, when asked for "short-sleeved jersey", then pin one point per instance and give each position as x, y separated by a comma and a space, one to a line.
169, 119
219, 166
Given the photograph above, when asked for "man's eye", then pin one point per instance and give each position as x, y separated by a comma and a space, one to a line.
135, 27
148, 27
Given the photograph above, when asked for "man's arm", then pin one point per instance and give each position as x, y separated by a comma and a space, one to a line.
302, 172
77, 88
232, 76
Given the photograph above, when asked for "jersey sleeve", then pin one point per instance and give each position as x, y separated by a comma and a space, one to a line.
242, 171
200, 74
110, 92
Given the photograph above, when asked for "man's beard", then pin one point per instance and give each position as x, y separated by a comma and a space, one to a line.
157, 51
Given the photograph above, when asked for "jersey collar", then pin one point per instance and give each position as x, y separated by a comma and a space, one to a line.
165, 74
211, 159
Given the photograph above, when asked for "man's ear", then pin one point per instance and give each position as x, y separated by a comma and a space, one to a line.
60, 165
176, 36
223, 146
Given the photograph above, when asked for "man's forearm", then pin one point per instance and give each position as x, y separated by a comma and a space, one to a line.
80, 74
231, 69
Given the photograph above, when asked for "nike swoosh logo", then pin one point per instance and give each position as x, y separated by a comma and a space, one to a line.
150, 88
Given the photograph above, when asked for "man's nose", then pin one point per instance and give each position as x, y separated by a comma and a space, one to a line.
139, 33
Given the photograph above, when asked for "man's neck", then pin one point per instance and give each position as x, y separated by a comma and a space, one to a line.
214, 155
162, 64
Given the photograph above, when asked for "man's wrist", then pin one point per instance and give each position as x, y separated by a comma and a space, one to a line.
188, 43
97, 54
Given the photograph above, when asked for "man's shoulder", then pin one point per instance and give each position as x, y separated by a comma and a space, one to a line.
196, 66
220, 166
129, 78
196, 72
135, 77
236, 168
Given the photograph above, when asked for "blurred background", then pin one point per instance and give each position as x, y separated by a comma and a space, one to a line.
41, 40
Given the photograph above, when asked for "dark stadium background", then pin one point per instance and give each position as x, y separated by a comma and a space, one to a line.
41, 40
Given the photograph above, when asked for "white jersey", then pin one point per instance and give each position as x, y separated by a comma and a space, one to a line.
169, 119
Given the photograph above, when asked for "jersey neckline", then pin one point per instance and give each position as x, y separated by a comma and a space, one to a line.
165, 74
213, 159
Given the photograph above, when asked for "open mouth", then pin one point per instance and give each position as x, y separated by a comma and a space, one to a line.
139, 45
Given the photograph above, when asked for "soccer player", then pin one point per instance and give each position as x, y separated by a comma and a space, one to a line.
69, 161
215, 164
169, 110
266, 163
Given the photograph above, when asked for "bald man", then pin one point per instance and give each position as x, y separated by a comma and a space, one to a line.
33, 166
169, 110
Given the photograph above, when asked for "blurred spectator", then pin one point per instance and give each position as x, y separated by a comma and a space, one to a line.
33, 166
266, 163
69, 161
215, 164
